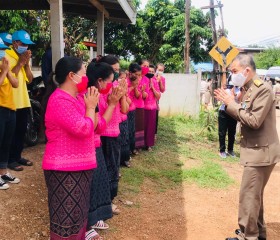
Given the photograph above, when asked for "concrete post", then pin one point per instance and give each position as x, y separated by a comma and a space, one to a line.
100, 33
56, 30
199, 75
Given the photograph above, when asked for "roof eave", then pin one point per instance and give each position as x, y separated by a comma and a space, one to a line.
129, 10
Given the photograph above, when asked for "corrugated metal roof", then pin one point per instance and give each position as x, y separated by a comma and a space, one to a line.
117, 11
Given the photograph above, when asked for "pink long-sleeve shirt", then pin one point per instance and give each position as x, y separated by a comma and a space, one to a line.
139, 102
112, 129
151, 101
100, 128
70, 134
163, 83
131, 95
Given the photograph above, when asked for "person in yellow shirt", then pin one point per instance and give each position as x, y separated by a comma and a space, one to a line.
19, 58
7, 117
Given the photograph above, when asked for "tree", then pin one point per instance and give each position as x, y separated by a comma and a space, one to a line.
268, 58
159, 35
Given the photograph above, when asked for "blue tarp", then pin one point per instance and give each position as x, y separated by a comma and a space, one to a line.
204, 66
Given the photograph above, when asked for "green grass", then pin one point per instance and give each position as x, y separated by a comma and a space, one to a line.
210, 174
183, 152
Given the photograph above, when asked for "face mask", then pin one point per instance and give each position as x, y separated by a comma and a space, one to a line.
21, 49
145, 70
116, 76
2, 54
132, 78
160, 73
106, 89
82, 86
149, 75
238, 79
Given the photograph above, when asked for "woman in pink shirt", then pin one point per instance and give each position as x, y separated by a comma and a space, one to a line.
101, 76
161, 83
110, 137
69, 157
141, 94
134, 76
151, 108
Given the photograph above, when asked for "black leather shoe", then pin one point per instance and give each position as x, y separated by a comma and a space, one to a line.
260, 238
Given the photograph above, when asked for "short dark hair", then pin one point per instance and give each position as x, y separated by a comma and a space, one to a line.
134, 67
98, 70
110, 59
246, 61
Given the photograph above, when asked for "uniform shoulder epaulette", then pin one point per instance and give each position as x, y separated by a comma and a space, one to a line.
258, 82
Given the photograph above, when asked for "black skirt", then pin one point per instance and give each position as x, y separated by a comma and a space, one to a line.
111, 150
131, 130
100, 197
124, 142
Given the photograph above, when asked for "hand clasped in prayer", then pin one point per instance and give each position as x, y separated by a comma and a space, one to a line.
223, 96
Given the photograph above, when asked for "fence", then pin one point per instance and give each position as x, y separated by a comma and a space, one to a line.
182, 95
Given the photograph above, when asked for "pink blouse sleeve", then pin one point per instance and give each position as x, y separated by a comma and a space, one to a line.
68, 116
163, 84
101, 126
156, 86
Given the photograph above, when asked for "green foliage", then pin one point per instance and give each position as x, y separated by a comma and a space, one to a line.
124, 64
209, 122
76, 29
159, 35
268, 58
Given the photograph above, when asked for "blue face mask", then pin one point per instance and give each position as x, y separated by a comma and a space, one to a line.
2, 54
21, 49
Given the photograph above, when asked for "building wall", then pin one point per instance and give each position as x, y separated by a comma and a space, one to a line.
182, 95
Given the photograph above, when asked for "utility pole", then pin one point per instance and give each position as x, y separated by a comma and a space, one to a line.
216, 70
187, 36
213, 25
222, 18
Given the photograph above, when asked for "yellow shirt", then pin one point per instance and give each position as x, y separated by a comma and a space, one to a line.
20, 94
6, 95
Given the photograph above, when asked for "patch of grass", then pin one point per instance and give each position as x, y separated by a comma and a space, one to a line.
210, 174
132, 179
180, 139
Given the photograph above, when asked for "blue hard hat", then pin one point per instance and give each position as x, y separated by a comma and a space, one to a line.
6, 37
2, 45
22, 36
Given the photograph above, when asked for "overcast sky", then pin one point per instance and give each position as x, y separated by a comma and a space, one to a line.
247, 21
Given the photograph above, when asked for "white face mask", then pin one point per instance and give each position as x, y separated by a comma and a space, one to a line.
238, 79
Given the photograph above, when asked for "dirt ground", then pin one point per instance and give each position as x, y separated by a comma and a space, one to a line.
185, 212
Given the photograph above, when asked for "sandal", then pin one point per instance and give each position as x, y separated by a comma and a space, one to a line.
127, 164
115, 209
100, 225
15, 166
135, 152
25, 162
92, 235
